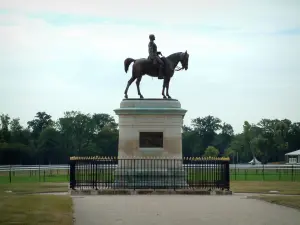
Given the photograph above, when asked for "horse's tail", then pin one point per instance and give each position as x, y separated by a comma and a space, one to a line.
127, 63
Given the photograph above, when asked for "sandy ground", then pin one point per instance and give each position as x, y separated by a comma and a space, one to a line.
180, 210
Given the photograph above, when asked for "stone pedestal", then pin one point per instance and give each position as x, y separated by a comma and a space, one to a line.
150, 128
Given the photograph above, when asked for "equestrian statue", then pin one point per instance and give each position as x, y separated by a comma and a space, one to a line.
154, 66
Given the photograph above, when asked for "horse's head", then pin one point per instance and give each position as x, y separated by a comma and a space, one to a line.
184, 60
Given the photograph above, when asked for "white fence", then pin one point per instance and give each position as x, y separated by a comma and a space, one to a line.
6, 168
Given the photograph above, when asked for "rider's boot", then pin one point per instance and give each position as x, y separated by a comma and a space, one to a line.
161, 73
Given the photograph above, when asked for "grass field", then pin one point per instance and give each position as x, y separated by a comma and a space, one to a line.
20, 204
284, 187
265, 174
289, 201
264, 187
34, 176
235, 175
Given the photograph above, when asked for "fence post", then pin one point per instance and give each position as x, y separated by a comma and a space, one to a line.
227, 175
235, 171
292, 172
10, 174
279, 173
92, 172
72, 174
96, 174
263, 172
39, 172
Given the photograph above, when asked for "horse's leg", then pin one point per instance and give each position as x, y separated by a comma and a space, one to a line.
128, 85
163, 89
167, 87
138, 81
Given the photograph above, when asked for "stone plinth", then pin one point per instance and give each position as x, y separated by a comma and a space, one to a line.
150, 115
164, 116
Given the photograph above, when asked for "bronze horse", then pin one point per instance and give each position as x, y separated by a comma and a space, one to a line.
144, 66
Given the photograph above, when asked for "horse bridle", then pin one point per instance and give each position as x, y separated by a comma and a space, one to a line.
184, 59
177, 68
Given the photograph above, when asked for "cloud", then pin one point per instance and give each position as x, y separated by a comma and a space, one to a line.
37, 37
69, 56
254, 16
293, 31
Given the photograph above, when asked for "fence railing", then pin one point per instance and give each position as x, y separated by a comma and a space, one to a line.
60, 173
149, 173
266, 173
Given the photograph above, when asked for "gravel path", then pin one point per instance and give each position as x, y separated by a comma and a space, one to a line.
179, 210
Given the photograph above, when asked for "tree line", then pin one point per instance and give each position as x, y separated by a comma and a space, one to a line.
48, 141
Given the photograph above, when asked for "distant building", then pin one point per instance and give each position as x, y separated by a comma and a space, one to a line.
293, 157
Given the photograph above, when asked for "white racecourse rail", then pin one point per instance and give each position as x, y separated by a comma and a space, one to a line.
4, 168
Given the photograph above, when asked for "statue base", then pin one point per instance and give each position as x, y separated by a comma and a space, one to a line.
150, 129
150, 179
138, 117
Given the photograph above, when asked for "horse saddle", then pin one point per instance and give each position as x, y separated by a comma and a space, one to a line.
160, 67
154, 61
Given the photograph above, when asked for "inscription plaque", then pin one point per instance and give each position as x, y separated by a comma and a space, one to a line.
151, 139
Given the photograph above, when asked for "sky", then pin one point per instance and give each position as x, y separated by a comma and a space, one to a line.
58, 56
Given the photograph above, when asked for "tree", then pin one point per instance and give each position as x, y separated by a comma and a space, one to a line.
250, 132
14, 153
106, 142
280, 135
229, 152
206, 128
4, 132
223, 139
76, 133
103, 121
17, 132
191, 143
83, 134
211, 151
76, 129
42, 121
237, 145
293, 136
274, 134
15, 126
259, 146
49, 146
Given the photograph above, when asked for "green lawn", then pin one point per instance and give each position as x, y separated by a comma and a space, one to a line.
194, 175
266, 175
284, 187
33, 179
289, 201
34, 176
264, 187
20, 204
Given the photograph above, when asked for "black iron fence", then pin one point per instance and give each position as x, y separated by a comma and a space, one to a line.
149, 173
268, 172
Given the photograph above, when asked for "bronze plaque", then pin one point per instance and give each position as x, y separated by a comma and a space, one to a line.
151, 139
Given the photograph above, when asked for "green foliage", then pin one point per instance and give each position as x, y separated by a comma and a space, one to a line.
52, 141
211, 151
42, 121
4, 125
46, 141
229, 152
